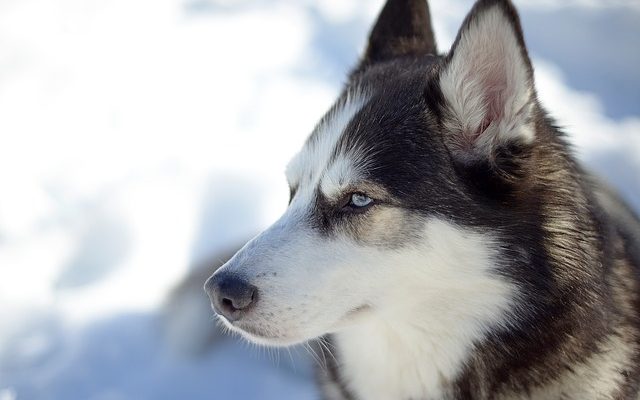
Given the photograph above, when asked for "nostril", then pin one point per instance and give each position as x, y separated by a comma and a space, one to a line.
231, 295
228, 304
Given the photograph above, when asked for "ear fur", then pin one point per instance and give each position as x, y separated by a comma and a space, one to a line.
403, 28
487, 85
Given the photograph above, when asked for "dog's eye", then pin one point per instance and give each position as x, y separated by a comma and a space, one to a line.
359, 200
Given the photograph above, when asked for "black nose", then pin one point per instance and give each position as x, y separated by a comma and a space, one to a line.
230, 295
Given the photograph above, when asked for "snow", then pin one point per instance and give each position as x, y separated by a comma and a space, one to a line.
139, 138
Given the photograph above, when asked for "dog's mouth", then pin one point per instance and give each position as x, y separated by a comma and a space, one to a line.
353, 316
356, 312
257, 332
262, 336
253, 331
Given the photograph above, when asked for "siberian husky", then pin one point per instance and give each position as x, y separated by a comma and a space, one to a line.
441, 235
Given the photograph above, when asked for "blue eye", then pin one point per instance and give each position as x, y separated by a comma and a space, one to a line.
359, 200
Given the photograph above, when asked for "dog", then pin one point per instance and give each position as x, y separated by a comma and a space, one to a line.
441, 236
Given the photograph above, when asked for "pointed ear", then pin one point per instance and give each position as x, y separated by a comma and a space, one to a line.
403, 28
487, 85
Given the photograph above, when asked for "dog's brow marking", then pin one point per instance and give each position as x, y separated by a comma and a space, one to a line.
338, 176
308, 167
345, 170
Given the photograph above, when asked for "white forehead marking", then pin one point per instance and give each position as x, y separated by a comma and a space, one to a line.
308, 167
345, 169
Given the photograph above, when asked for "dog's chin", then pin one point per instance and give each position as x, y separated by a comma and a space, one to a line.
259, 336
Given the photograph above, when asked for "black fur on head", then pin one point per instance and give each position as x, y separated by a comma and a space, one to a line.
511, 15
403, 29
409, 81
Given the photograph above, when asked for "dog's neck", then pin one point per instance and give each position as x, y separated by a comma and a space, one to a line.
391, 360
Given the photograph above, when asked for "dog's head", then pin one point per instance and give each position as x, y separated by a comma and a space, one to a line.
400, 194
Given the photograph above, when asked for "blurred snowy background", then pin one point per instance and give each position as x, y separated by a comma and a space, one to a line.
142, 139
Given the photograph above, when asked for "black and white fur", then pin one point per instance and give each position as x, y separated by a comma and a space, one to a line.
487, 264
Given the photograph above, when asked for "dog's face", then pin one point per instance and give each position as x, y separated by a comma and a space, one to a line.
392, 194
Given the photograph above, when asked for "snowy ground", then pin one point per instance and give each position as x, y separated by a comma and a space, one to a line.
138, 138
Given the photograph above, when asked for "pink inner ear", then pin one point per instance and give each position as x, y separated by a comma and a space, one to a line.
487, 84
495, 94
